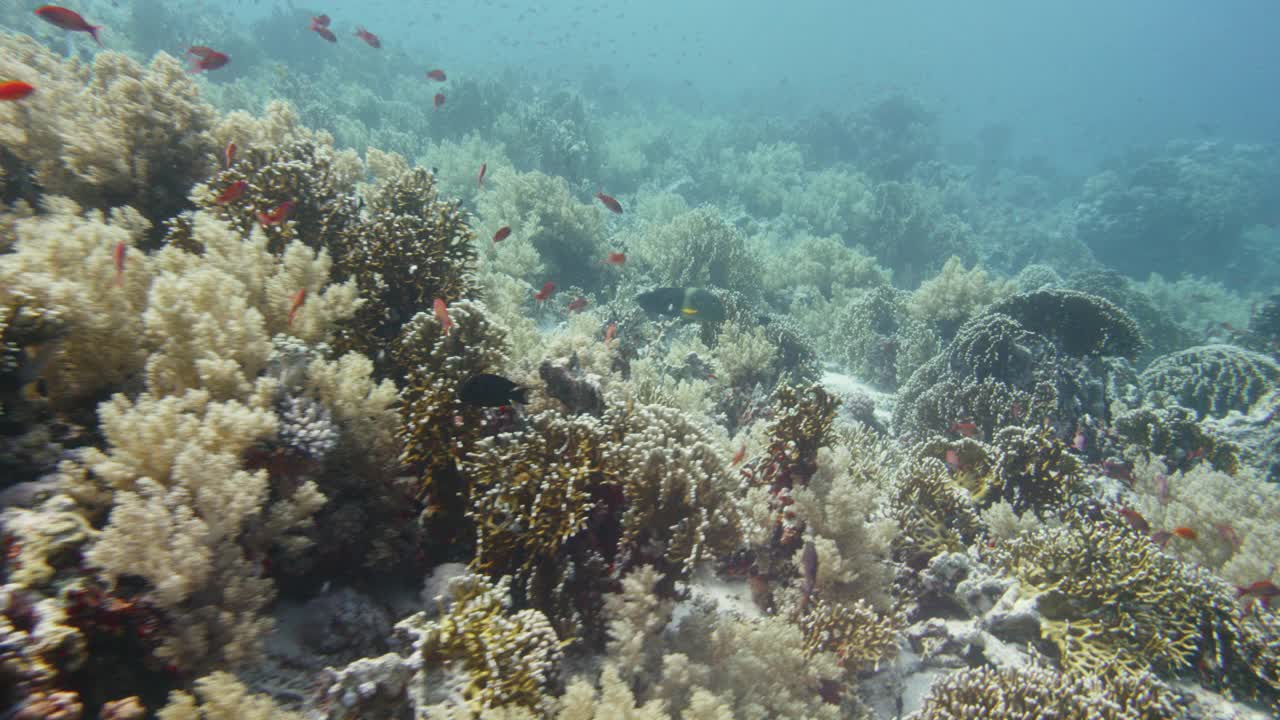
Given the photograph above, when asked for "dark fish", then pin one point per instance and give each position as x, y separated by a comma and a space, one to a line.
689, 303
487, 390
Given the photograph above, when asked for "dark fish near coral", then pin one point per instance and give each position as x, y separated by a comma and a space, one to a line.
320, 26
68, 20
689, 303
610, 202
488, 390
437, 75
437, 101
502, 234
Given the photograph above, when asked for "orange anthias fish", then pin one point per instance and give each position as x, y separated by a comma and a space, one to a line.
578, 304
547, 288
1184, 532
442, 315
68, 20
739, 455
437, 75
368, 37
1162, 537
207, 58
1263, 592
964, 428
608, 201
15, 90
609, 332
298, 298
437, 101
118, 256
276, 216
616, 258
229, 155
1134, 519
234, 192
320, 26
502, 234
480, 178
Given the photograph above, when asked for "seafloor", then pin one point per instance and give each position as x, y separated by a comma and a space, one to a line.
925, 442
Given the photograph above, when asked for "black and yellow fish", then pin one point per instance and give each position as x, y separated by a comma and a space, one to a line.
689, 303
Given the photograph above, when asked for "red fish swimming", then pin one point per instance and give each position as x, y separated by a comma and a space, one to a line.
1263, 592
547, 288
964, 428
234, 192
118, 256
442, 315
502, 234
739, 455
368, 37
437, 101
614, 206
278, 215
229, 155
68, 20
578, 304
1134, 519
437, 75
298, 298
320, 26
480, 178
207, 59
616, 258
15, 90
609, 333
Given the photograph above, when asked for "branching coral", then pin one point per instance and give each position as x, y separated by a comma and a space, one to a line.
1110, 601
1211, 379
1040, 694
947, 300
505, 657
860, 637
222, 697
108, 135
881, 342
934, 515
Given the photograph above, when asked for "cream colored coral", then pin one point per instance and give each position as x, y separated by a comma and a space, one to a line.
63, 261
635, 615
955, 294
220, 696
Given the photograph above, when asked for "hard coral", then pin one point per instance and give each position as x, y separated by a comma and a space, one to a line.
505, 658
860, 637
698, 248
1211, 379
880, 340
1040, 694
1079, 324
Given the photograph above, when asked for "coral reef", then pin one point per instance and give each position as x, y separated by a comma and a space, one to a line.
1078, 323
882, 342
1039, 693
1211, 380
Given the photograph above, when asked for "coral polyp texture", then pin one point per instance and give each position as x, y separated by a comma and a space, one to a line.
343, 379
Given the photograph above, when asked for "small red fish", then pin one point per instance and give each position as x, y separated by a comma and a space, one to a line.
118, 256
608, 201
437, 101
1118, 469
368, 37
298, 298
964, 428
503, 233
15, 90
1263, 592
207, 59
442, 315
278, 215
320, 26
1198, 452
437, 75
547, 288
578, 304
234, 192
1134, 519
609, 332
229, 155
1184, 532
68, 20
739, 455
480, 178
616, 258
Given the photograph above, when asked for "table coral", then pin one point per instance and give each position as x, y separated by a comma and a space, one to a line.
1212, 380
